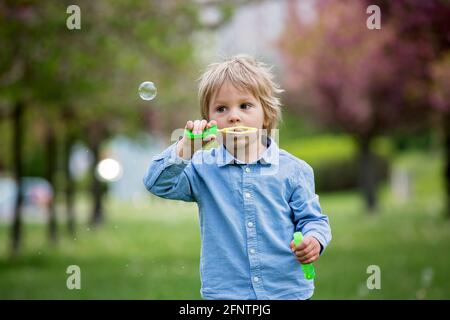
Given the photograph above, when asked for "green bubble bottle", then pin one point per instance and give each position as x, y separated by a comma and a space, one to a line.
308, 269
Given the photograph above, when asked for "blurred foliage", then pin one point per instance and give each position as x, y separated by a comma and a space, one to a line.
423, 140
334, 159
295, 125
440, 91
85, 82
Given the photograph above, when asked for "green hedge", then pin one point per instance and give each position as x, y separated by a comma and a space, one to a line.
334, 159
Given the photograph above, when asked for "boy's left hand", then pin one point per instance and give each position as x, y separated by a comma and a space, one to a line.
307, 251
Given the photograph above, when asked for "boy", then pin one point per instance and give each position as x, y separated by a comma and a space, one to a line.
252, 196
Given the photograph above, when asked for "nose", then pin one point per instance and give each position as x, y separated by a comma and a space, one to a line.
234, 118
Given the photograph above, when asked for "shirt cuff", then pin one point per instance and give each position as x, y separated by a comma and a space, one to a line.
174, 158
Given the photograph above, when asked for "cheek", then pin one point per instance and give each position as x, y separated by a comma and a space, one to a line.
218, 118
260, 112
262, 118
213, 116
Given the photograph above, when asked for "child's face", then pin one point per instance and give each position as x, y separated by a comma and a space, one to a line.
232, 107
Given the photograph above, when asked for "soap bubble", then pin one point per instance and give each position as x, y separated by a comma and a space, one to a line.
147, 90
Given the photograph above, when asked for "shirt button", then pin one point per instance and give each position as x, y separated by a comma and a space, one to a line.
256, 279
247, 170
247, 195
252, 251
250, 224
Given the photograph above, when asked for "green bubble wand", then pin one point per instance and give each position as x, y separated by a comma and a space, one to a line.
308, 269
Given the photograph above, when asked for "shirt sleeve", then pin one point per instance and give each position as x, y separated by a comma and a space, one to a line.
304, 202
170, 176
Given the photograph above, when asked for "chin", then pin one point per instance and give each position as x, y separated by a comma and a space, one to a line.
241, 142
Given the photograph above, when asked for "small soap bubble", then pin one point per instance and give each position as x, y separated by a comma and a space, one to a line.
147, 90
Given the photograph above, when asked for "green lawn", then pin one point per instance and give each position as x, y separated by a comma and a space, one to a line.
151, 250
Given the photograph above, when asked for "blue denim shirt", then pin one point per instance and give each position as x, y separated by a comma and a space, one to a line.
248, 214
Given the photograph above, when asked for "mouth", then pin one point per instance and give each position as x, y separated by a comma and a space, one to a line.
239, 130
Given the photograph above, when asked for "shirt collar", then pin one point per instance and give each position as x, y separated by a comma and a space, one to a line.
269, 156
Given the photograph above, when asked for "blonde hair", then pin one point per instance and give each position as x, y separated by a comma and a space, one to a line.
244, 72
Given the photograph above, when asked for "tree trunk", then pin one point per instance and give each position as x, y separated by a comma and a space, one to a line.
50, 146
367, 174
69, 141
16, 230
97, 216
3, 150
446, 119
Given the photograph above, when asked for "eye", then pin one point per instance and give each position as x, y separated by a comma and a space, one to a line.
220, 109
245, 106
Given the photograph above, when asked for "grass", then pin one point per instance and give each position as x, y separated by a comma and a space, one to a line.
151, 249
130, 257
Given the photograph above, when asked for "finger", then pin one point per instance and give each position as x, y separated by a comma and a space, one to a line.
212, 123
304, 244
312, 246
210, 137
308, 255
304, 252
196, 127
203, 124
306, 258
189, 125
292, 245
311, 260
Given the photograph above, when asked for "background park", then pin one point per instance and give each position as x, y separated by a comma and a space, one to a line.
367, 108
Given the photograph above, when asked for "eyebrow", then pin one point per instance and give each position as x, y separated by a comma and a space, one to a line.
246, 98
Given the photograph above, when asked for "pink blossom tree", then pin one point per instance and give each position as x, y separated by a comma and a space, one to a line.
364, 82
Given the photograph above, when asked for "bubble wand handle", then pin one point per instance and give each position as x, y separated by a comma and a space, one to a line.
308, 269
205, 133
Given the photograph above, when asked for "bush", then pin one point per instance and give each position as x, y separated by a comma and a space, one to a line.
334, 160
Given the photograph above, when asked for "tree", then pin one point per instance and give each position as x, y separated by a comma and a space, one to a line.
440, 99
364, 82
89, 78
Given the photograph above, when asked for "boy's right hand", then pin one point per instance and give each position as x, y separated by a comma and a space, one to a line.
186, 147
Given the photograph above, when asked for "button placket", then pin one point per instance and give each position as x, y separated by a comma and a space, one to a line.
250, 217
